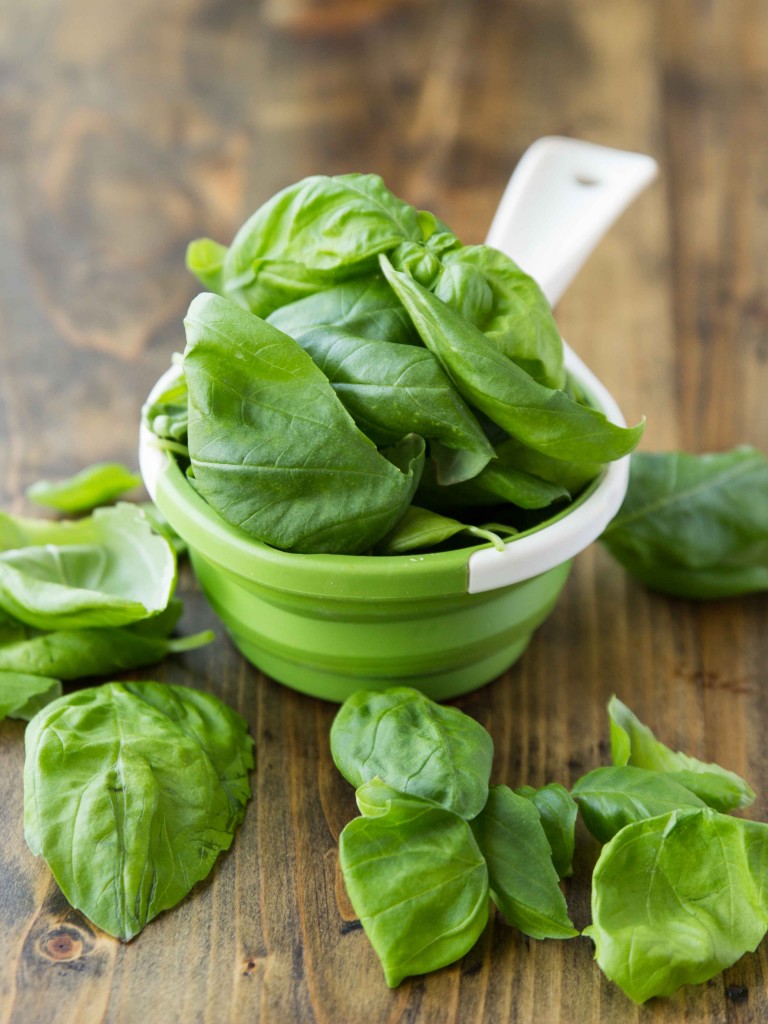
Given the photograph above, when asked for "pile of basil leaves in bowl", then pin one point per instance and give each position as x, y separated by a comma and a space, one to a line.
374, 446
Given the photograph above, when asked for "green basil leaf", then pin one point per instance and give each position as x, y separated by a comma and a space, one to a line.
695, 525
391, 390
161, 525
488, 288
312, 235
523, 880
491, 486
131, 819
22, 696
96, 485
107, 570
633, 743
205, 259
570, 476
168, 416
677, 899
611, 798
414, 745
273, 450
367, 308
557, 810
419, 529
75, 653
418, 883
543, 418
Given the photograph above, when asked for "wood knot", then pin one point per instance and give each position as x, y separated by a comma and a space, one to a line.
62, 944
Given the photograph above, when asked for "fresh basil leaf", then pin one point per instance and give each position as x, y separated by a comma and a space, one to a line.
22, 696
273, 450
168, 416
366, 308
96, 485
695, 525
392, 390
633, 743
107, 570
205, 259
161, 525
495, 484
419, 529
418, 883
611, 798
418, 261
570, 476
75, 653
312, 235
414, 745
557, 810
677, 899
131, 818
488, 288
542, 418
523, 880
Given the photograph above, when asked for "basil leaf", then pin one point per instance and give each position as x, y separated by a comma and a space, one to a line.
107, 570
544, 419
131, 818
367, 308
160, 525
488, 288
418, 883
677, 899
491, 486
695, 525
633, 743
96, 485
312, 235
558, 812
570, 476
523, 880
22, 695
391, 390
205, 259
610, 798
414, 745
272, 448
72, 654
419, 529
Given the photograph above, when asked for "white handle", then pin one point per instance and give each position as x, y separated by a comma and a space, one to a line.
561, 199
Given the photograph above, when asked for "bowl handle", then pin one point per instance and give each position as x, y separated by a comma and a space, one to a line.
561, 199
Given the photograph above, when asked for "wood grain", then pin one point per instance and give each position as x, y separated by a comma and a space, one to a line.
129, 129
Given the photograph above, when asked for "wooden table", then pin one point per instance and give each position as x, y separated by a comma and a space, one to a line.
130, 128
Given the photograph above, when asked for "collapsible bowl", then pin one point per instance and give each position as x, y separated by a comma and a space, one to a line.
445, 622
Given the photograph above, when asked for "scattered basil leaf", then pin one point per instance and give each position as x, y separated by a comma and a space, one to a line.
633, 743
558, 811
132, 817
543, 418
313, 235
695, 525
678, 898
421, 529
523, 880
418, 883
22, 695
95, 485
109, 569
75, 653
414, 745
610, 798
272, 448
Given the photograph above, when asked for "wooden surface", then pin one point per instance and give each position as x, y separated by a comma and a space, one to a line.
129, 128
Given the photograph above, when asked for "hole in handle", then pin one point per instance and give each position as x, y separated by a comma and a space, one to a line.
586, 180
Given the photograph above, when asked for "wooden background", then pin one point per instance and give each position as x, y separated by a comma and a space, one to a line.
130, 128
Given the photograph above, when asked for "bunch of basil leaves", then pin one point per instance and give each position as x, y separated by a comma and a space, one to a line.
678, 893
356, 361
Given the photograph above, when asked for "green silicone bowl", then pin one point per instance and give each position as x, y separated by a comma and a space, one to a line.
444, 622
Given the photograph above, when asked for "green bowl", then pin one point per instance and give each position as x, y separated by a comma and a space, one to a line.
327, 625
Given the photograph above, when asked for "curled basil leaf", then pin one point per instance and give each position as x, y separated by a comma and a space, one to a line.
273, 450
695, 525
417, 881
130, 819
421, 529
22, 695
523, 879
95, 485
633, 743
415, 746
678, 898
